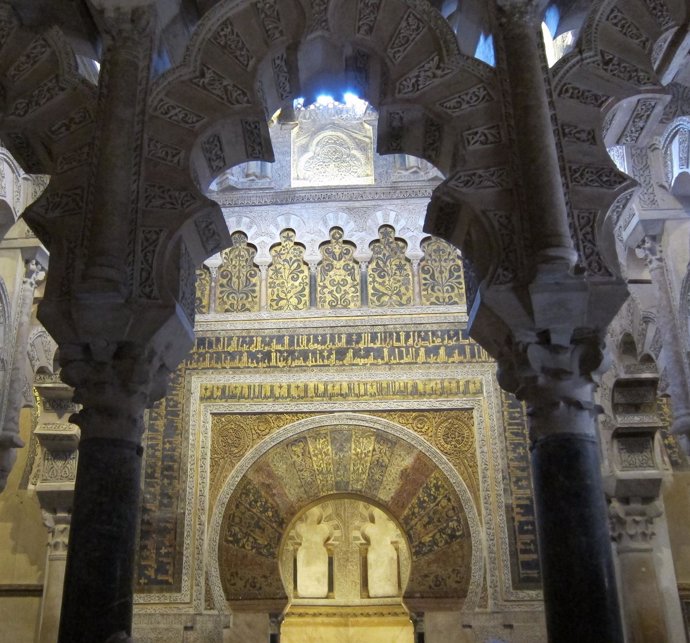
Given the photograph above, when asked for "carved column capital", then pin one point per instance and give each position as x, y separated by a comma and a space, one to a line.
632, 523
114, 382
556, 382
650, 249
57, 524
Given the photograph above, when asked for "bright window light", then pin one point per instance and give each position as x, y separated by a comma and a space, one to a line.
324, 100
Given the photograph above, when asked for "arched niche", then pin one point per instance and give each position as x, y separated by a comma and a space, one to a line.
344, 550
373, 459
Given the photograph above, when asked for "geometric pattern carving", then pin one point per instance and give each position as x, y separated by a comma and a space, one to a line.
390, 271
338, 284
239, 278
288, 275
440, 270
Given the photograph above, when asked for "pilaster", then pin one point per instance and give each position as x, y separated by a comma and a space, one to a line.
9, 432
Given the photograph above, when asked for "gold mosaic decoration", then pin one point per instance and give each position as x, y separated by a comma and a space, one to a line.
288, 275
337, 275
239, 278
203, 291
390, 271
441, 274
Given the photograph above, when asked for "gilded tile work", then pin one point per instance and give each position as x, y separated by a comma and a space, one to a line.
160, 531
340, 458
449, 345
337, 275
239, 278
441, 274
520, 514
288, 275
449, 430
390, 271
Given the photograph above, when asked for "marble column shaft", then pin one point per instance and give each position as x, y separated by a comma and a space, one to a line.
579, 584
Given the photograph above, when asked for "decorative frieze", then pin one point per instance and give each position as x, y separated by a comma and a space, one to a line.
494, 178
162, 197
591, 176
483, 136
582, 95
212, 149
620, 21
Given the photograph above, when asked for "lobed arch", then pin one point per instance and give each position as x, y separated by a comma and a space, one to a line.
350, 422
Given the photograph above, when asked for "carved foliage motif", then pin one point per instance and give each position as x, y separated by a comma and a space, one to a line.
659, 10
596, 177
508, 264
59, 466
584, 233
220, 87
212, 149
239, 278
409, 29
367, 12
164, 152
319, 16
584, 96
472, 97
337, 274
281, 76
203, 291
489, 179
162, 197
43, 94
187, 291
149, 240
427, 73
288, 275
624, 70
433, 135
638, 121
641, 170
73, 159
441, 274
253, 142
177, 114
575, 134
229, 39
636, 452
390, 272
28, 60
206, 228
616, 18
64, 203
483, 136
270, 19
77, 119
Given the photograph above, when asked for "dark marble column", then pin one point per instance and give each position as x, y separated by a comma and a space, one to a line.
574, 540
114, 385
580, 594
